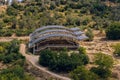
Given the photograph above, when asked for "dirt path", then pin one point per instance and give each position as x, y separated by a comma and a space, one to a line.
33, 59
7, 39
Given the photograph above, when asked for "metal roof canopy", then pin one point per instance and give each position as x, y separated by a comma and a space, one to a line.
54, 35
50, 31
47, 27
53, 31
78, 32
83, 37
74, 29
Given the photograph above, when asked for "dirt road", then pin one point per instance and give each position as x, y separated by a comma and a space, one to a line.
33, 59
7, 39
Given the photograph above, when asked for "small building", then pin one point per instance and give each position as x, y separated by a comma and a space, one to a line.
55, 37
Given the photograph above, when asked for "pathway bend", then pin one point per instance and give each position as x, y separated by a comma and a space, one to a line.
33, 59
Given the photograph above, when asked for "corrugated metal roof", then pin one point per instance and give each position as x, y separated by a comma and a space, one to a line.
83, 37
56, 31
78, 32
48, 27
54, 35
74, 29
52, 31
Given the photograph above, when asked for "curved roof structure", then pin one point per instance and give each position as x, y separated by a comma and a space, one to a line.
53, 36
49, 27
43, 33
53, 33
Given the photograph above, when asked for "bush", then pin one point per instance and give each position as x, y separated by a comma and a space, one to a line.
89, 34
14, 73
2, 57
6, 32
45, 57
2, 24
104, 61
82, 50
23, 32
8, 59
62, 62
12, 11
117, 49
18, 7
11, 52
103, 67
113, 31
102, 73
81, 73
2, 49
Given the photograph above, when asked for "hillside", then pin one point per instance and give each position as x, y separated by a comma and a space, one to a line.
99, 19
23, 18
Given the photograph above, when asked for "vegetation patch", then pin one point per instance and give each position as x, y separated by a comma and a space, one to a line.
10, 55
61, 61
102, 71
33, 14
113, 31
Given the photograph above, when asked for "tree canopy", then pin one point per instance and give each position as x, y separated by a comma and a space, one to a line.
104, 60
61, 61
113, 31
81, 73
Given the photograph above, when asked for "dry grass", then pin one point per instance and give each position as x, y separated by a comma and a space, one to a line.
3, 8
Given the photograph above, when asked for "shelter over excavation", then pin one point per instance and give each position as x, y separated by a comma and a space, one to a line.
55, 37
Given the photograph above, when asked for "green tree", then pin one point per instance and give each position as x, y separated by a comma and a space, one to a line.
45, 57
103, 60
2, 24
82, 50
14, 73
102, 73
117, 49
61, 61
81, 73
2, 49
113, 31
12, 11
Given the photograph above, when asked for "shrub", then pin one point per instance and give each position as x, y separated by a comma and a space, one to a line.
89, 34
15, 72
10, 52
113, 31
62, 62
81, 73
8, 59
16, 6
23, 32
117, 49
82, 50
6, 32
2, 49
12, 11
102, 73
104, 61
2, 24
2, 57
